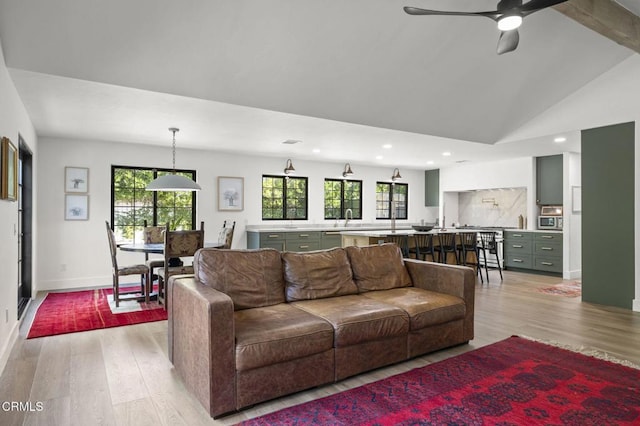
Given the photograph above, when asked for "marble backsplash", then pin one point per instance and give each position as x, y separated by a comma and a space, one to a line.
493, 207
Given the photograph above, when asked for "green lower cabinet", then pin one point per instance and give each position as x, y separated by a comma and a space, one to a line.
515, 260
534, 251
330, 239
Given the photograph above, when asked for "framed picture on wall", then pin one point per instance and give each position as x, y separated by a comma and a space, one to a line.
76, 179
230, 193
9, 167
76, 207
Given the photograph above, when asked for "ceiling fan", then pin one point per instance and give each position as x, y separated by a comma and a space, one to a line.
508, 15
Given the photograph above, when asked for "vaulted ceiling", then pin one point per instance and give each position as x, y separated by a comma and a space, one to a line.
245, 75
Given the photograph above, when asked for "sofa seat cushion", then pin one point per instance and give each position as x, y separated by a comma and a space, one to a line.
317, 274
278, 333
378, 267
251, 278
425, 308
357, 319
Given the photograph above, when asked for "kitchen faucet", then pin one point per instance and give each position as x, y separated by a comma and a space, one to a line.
346, 217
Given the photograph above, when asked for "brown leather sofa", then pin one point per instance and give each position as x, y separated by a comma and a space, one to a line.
253, 325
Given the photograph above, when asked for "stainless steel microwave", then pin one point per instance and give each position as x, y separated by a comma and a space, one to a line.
549, 222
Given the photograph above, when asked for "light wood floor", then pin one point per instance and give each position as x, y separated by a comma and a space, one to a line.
122, 376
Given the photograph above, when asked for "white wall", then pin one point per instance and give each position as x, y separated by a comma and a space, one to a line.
81, 246
13, 121
516, 173
572, 226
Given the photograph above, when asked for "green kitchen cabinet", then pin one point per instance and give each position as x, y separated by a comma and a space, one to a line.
432, 188
549, 180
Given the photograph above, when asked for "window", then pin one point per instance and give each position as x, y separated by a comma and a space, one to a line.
284, 197
388, 194
132, 204
340, 195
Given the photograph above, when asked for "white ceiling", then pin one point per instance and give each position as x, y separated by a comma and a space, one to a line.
343, 77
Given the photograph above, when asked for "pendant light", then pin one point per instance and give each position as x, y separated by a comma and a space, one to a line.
289, 168
396, 175
173, 182
347, 170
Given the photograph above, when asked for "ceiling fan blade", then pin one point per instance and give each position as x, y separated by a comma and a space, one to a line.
535, 5
417, 11
508, 41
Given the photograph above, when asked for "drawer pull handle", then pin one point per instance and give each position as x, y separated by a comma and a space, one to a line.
546, 248
518, 260
303, 235
547, 263
516, 246
549, 237
332, 233
304, 247
517, 235
274, 236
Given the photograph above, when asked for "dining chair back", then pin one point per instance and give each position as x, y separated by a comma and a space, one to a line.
178, 245
117, 272
153, 235
225, 237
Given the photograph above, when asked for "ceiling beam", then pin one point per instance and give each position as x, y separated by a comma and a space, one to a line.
607, 18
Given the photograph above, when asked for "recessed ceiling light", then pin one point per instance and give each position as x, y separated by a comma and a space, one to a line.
429, 163
316, 150
560, 139
446, 154
379, 157
387, 146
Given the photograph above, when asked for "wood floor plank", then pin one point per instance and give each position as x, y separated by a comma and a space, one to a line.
123, 376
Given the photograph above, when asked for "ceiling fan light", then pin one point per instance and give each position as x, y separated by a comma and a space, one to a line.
509, 22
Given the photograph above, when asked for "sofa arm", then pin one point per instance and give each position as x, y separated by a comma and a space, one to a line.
202, 342
449, 279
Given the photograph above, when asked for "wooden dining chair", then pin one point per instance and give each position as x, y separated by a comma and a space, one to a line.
118, 271
153, 235
178, 245
225, 237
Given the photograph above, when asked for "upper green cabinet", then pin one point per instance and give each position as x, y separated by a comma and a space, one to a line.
432, 188
549, 180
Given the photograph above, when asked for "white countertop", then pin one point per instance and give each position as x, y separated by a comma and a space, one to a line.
385, 232
554, 231
310, 228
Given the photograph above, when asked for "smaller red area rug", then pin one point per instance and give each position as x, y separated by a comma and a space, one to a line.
512, 382
567, 289
70, 312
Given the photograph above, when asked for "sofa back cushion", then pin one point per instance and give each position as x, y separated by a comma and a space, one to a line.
317, 274
378, 267
252, 278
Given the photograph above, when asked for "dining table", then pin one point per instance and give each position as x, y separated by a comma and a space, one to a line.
158, 248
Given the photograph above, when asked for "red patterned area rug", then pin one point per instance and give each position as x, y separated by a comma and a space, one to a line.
567, 289
512, 382
70, 312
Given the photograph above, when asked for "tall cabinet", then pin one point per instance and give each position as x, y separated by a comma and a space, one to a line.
549, 180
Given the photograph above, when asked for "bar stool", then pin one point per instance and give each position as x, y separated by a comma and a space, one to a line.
469, 244
401, 241
423, 247
448, 245
488, 245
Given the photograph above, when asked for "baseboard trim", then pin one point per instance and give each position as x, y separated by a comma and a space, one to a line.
6, 350
636, 305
